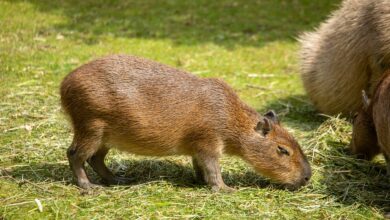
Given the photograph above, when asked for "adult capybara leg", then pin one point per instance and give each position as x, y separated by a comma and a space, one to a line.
85, 144
365, 152
98, 165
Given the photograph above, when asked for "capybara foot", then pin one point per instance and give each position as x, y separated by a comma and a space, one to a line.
223, 189
88, 185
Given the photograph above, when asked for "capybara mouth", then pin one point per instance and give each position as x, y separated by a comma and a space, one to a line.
297, 185
292, 187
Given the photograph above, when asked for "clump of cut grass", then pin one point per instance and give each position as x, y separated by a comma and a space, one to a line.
348, 179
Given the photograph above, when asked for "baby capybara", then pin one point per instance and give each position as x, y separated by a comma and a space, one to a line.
146, 108
371, 126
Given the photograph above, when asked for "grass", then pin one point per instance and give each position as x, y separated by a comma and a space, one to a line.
250, 44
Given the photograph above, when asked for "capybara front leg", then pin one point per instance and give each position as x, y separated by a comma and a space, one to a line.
209, 166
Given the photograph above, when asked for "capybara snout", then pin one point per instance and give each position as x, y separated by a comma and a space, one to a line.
146, 108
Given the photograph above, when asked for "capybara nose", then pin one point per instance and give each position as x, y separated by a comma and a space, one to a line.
304, 181
306, 175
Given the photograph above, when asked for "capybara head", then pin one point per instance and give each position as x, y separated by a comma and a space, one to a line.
364, 142
276, 154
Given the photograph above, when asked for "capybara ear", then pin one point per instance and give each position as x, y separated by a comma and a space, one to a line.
366, 100
272, 115
264, 126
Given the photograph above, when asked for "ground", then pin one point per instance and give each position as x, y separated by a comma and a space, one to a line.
250, 44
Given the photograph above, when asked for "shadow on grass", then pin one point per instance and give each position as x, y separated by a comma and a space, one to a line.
138, 171
349, 181
224, 22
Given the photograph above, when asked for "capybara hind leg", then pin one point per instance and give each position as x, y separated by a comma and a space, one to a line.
198, 171
98, 165
82, 148
76, 162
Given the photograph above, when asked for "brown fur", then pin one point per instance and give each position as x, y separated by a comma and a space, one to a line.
346, 54
147, 108
371, 127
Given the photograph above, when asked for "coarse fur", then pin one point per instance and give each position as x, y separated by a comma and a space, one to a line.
371, 127
347, 54
147, 108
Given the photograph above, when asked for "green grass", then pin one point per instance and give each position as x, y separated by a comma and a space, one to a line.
250, 44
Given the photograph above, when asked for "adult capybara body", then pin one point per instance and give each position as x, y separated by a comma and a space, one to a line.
147, 108
346, 54
371, 127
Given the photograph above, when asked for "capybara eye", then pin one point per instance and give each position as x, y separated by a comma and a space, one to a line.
283, 151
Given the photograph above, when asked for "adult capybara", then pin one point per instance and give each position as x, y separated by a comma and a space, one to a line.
347, 54
146, 108
371, 127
